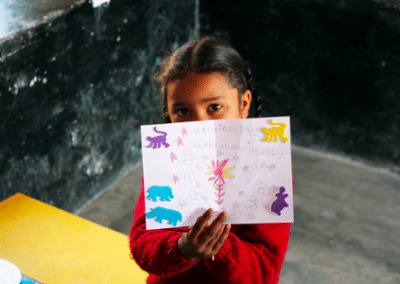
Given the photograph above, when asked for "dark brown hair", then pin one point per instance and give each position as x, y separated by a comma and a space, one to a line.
206, 55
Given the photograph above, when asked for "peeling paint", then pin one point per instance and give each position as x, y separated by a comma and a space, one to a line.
33, 81
74, 137
78, 132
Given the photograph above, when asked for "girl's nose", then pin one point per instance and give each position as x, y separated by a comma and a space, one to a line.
200, 115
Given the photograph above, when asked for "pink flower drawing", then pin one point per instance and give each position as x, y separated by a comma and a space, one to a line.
218, 173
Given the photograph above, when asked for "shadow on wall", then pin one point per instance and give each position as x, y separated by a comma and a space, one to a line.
332, 65
74, 90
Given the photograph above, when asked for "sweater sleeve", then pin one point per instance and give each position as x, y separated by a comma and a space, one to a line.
152, 249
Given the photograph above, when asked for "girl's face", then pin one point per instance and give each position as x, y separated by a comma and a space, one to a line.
205, 97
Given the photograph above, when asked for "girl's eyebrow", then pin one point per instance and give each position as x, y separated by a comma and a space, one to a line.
203, 101
212, 99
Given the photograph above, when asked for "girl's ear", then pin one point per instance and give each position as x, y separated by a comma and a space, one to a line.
245, 106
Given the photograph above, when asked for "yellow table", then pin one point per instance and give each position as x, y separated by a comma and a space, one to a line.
54, 246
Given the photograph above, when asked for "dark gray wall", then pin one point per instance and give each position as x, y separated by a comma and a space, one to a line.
332, 65
74, 91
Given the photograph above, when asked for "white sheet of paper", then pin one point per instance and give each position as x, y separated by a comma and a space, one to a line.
241, 166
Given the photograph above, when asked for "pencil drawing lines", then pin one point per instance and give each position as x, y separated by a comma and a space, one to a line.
234, 214
196, 197
250, 216
262, 166
251, 203
182, 202
193, 217
186, 179
245, 170
259, 187
186, 157
236, 158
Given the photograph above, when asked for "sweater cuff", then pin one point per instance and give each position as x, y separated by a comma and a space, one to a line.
175, 256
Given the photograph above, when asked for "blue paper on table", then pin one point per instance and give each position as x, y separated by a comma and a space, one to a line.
25, 280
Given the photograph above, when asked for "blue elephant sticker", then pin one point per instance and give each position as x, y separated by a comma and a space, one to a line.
163, 192
161, 213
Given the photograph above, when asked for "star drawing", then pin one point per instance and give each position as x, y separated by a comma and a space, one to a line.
175, 179
180, 141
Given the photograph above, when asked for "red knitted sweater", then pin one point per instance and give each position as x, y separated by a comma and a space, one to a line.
251, 253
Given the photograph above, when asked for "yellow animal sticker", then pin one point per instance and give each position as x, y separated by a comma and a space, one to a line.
274, 133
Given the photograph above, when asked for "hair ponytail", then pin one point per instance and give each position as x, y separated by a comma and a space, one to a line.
254, 92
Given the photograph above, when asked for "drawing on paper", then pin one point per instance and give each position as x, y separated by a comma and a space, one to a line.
180, 141
234, 214
259, 187
245, 170
182, 202
236, 157
191, 219
274, 133
242, 167
175, 178
263, 166
251, 203
271, 197
161, 213
186, 157
186, 179
157, 141
218, 173
280, 202
251, 216
196, 197
163, 192
173, 157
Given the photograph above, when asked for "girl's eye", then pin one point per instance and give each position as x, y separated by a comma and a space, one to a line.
182, 111
214, 107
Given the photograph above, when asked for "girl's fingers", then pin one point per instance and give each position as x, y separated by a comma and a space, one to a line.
222, 238
212, 234
207, 240
200, 224
215, 238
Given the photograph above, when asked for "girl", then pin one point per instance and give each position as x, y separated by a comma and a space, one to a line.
207, 79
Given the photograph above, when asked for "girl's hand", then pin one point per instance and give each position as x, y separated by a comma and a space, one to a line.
203, 240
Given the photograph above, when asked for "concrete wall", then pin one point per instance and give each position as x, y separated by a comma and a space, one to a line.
74, 90
332, 65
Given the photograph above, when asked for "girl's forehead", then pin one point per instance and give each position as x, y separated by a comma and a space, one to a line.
200, 82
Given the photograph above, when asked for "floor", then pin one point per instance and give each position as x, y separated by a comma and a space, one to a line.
346, 219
